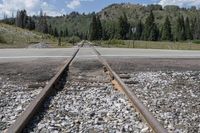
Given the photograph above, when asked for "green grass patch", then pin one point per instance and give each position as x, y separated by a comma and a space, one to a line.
196, 41
149, 44
2, 40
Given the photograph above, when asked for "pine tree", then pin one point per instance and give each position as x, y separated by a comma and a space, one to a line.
166, 30
99, 28
193, 23
139, 30
130, 33
61, 33
151, 31
42, 25
183, 33
24, 18
18, 20
147, 27
93, 28
154, 33
123, 27
105, 35
59, 41
30, 24
187, 29
56, 32
66, 32
180, 29
197, 29
21, 19
50, 30
41, 13
45, 26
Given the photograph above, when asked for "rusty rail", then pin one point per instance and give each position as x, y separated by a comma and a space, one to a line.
34, 106
145, 113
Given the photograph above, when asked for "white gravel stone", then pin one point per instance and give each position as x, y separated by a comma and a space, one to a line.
89, 103
14, 98
172, 96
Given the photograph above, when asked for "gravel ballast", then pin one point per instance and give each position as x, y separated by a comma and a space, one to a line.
14, 98
87, 103
20, 83
172, 96
170, 88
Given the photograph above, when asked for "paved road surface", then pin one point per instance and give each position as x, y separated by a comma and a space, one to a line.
35, 53
14, 54
148, 53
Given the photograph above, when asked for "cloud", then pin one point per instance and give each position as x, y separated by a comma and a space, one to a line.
32, 7
73, 4
9, 6
51, 9
76, 3
181, 3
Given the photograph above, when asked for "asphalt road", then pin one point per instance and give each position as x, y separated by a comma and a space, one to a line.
148, 53
35, 53
14, 54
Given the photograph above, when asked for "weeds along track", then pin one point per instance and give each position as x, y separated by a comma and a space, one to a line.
86, 96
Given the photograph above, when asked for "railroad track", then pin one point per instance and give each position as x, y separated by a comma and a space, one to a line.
84, 101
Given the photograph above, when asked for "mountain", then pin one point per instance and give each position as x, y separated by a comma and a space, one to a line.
79, 24
109, 16
74, 22
139, 12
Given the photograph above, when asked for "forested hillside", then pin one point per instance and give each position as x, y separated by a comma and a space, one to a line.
119, 21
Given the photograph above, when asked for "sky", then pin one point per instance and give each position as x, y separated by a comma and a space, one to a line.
60, 7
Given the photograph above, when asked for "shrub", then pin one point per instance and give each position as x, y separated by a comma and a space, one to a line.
2, 40
74, 39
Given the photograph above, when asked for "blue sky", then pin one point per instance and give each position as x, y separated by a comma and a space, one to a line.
97, 5
59, 7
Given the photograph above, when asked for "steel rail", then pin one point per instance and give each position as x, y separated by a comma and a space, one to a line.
140, 107
24, 118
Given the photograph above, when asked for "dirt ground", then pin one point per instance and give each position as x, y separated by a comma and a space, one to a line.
37, 70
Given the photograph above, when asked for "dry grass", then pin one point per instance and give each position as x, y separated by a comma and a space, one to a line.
14, 37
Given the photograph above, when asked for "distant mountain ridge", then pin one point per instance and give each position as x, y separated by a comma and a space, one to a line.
79, 24
134, 12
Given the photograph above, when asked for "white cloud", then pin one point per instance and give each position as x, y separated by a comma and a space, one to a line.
76, 3
32, 7
51, 10
73, 4
181, 3
9, 6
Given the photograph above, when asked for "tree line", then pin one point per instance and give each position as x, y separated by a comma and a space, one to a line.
39, 23
185, 29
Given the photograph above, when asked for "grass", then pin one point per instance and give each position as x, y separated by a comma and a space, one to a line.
150, 44
196, 41
14, 37
17, 37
